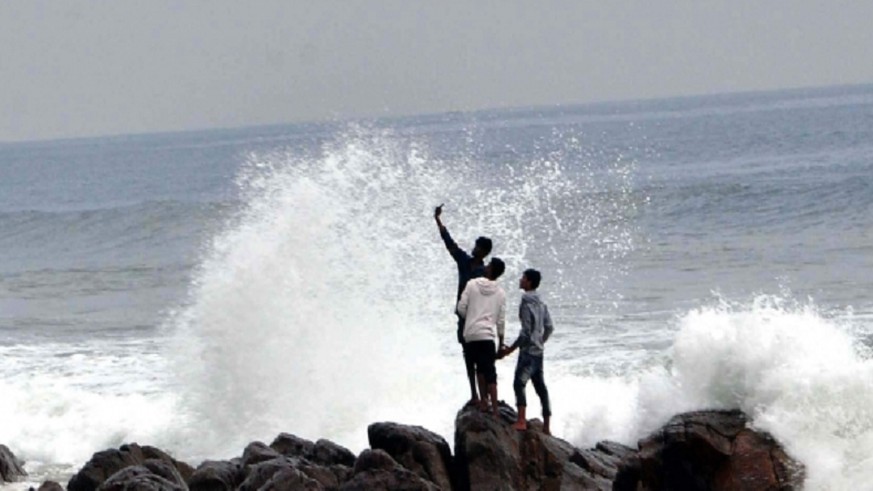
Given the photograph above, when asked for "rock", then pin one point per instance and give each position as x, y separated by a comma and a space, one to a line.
11, 467
257, 452
326, 452
107, 462
292, 446
329, 477
257, 475
139, 478
489, 454
375, 470
154, 453
166, 470
421, 451
486, 452
714, 450
50, 486
215, 475
291, 479
104, 464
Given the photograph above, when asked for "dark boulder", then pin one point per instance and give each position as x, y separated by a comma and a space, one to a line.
165, 470
329, 477
50, 486
326, 452
154, 453
375, 470
423, 452
713, 450
257, 475
216, 475
139, 478
257, 452
290, 479
490, 454
292, 446
11, 468
105, 463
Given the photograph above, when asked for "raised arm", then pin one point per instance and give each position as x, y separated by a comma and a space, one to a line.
451, 245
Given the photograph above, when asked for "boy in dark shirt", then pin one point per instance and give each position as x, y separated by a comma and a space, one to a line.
469, 266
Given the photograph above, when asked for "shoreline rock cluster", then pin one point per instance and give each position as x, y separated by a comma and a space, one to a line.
704, 450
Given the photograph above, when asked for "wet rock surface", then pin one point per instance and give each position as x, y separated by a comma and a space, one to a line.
704, 450
11, 467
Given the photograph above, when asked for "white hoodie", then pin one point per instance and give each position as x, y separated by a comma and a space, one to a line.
483, 306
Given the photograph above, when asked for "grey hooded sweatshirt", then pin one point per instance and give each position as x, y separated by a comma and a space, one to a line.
536, 324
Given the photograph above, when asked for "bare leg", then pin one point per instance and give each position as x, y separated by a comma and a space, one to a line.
483, 392
546, 429
492, 390
521, 422
471, 377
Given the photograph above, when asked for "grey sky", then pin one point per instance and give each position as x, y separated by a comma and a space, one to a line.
78, 68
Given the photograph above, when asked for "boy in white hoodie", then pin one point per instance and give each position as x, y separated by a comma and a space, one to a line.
483, 306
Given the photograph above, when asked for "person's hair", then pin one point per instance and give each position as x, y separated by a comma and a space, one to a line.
497, 267
534, 277
484, 244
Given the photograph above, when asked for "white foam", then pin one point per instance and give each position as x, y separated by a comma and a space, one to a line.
326, 303
800, 376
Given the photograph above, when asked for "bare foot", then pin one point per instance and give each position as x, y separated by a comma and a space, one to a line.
520, 426
547, 432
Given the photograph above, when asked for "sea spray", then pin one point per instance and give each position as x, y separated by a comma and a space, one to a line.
798, 373
326, 301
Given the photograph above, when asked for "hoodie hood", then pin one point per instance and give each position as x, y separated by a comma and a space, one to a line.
531, 297
486, 287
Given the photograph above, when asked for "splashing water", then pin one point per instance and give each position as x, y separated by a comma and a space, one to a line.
798, 374
326, 303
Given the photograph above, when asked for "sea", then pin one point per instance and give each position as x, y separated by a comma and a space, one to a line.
197, 291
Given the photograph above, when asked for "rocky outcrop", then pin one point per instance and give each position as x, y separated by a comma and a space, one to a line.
420, 450
141, 478
707, 450
50, 486
711, 450
104, 464
11, 468
375, 470
216, 475
489, 454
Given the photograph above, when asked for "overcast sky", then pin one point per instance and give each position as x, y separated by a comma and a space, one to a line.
80, 68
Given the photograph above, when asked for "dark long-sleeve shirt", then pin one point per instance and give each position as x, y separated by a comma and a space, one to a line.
467, 269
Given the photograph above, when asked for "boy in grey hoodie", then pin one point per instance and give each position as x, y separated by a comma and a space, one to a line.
536, 327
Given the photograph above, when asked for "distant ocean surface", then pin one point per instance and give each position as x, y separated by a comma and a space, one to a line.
198, 291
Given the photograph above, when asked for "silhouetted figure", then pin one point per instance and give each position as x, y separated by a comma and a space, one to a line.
469, 266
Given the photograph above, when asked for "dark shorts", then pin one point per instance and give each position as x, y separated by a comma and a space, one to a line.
483, 354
